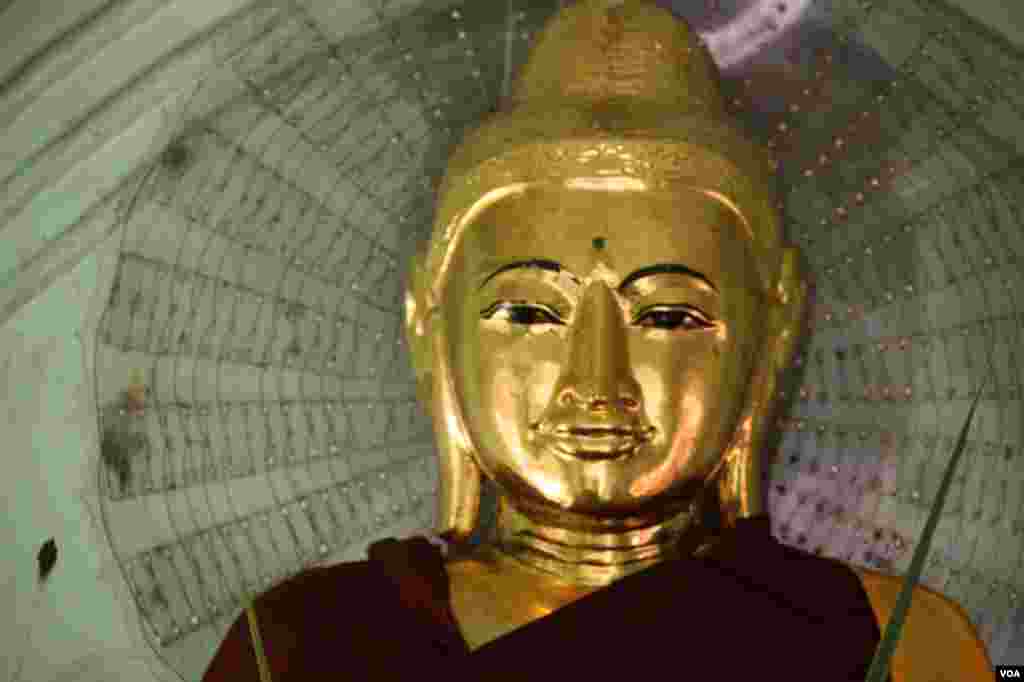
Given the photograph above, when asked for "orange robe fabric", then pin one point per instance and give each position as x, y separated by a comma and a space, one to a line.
751, 610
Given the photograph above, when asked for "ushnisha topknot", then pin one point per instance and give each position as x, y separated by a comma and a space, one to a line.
619, 90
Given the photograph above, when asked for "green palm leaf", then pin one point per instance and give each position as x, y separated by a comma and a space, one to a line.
257, 642
879, 670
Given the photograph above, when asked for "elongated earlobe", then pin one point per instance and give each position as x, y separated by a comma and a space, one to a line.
459, 486
459, 477
739, 483
417, 329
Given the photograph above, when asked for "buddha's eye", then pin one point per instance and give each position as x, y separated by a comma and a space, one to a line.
671, 317
519, 312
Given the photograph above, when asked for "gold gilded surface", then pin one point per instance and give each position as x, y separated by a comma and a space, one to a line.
599, 319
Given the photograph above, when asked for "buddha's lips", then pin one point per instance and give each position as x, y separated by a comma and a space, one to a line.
595, 431
596, 443
589, 451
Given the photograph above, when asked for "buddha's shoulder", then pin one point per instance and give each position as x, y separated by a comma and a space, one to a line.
938, 642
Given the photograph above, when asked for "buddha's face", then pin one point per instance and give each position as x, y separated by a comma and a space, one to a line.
601, 343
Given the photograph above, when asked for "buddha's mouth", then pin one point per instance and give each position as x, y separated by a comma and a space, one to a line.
597, 443
598, 431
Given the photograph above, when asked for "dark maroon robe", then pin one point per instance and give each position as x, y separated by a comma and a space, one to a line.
750, 611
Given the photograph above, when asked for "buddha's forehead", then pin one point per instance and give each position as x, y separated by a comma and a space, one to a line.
636, 229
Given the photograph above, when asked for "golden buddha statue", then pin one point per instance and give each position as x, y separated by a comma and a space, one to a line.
597, 326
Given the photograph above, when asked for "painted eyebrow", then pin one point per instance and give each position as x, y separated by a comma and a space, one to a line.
552, 266
667, 268
548, 265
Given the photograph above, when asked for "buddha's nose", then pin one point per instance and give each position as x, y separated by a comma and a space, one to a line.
597, 374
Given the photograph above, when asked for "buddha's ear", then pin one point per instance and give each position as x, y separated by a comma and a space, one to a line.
790, 309
739, 482
418, 327
459, 476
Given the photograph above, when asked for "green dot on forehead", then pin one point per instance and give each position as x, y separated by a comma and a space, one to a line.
599, 243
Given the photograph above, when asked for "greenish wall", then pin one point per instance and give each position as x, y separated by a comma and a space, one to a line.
75, 626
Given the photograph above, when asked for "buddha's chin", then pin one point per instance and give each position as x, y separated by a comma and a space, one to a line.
607, 491
592, 498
